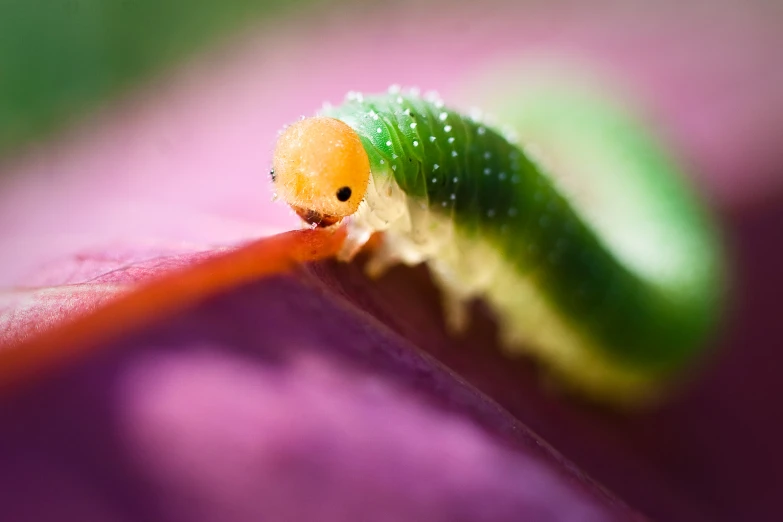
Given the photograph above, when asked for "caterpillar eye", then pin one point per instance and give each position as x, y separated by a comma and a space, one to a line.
344, 194
272, 175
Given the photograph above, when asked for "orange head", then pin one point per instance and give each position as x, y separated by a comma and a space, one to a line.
321, 169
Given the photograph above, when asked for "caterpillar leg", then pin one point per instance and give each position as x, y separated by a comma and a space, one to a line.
403, 241
455, 302
375, 214
381, 260
395, 248
357, 237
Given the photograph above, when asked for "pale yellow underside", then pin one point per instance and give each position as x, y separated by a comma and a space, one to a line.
469, 267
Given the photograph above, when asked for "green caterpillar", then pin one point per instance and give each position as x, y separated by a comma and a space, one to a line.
610, 314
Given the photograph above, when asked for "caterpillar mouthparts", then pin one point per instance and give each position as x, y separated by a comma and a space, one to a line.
313, 217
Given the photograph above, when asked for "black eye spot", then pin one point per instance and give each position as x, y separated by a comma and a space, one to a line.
272, 175
344, 194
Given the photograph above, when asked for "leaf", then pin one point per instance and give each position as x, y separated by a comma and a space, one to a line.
332, 393
275, 401
41, 326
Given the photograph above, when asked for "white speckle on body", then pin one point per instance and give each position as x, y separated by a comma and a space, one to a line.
388, 143
451, 139
481, 131
379, 130
443, 115
413, 125
453, 153
447, 128
432, 138
435, 167
415, 143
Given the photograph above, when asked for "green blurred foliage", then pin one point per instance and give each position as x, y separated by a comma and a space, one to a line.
60, 57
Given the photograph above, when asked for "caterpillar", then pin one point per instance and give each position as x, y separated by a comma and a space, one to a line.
609, 315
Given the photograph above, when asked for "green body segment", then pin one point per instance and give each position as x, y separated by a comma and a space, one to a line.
649, 315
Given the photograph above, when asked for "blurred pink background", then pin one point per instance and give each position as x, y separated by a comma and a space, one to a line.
184, 161
181, 166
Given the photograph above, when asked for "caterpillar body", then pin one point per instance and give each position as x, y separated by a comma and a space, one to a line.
456, 193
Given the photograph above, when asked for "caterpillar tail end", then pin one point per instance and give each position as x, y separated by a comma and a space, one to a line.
580, 370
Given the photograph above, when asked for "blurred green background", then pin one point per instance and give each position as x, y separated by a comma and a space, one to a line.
60, 57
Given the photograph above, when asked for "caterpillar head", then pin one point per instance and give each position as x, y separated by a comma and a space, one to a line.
320, 168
